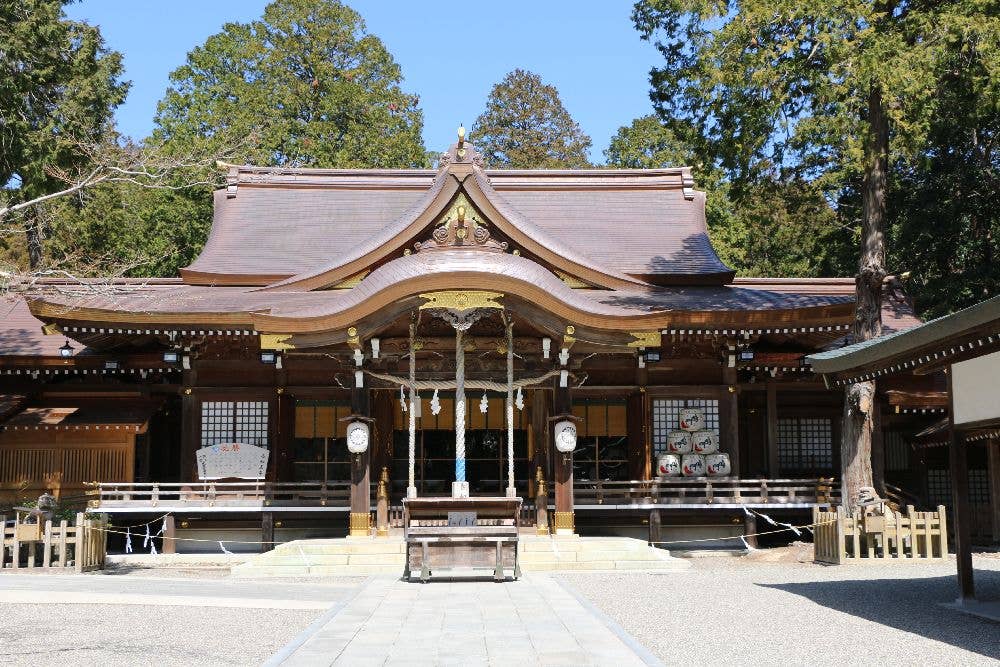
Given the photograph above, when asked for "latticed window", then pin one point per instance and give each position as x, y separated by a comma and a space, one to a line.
667, 417
805, 444
234, 421
897, 452
979, 487
939, 487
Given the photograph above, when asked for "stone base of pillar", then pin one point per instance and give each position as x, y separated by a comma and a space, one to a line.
361, 524
459, 489
565, 523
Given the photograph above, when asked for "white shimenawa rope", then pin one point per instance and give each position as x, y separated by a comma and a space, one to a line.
411, 489
459, 407
510, 410
469, 384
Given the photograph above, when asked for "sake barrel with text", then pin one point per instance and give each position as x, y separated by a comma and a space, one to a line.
692, 419
704, 442
717, 465
668, 465
679, 442
693, 465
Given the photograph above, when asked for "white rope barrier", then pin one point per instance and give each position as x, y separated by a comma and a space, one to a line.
469, 384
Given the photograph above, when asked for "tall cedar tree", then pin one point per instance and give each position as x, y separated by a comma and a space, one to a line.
526, 126
306, 82
819, 88
59, 87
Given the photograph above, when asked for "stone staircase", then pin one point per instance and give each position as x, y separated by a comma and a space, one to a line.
363, 556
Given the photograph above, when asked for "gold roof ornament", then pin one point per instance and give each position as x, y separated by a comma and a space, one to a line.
645, 338
276, 342
461, 300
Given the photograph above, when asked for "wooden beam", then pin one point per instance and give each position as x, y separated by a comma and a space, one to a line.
961, 512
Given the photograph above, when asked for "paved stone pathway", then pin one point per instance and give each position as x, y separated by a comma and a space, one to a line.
534, 621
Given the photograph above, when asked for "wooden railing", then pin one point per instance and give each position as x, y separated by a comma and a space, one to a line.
706, 491
81, 545
842, 537
251, 495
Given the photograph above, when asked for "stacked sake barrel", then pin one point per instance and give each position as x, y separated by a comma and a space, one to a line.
692, 449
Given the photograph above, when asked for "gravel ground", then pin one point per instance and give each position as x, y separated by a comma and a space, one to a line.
84, 634
737, 612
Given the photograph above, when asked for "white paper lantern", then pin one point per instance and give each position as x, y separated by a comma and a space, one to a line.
693, 465
357, 437
679, 442
565, 436
704, 442
717, 465
668, 465
692, 419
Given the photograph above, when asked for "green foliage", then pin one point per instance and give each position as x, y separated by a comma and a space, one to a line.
768, 228
306, 83
526, 126
945, 206
58, 91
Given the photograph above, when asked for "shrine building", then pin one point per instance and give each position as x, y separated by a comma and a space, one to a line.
454, 331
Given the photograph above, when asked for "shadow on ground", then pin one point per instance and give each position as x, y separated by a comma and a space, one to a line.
911, 605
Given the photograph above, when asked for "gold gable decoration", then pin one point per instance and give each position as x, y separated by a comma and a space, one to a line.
350, 282
276, 342
574, 283
461, 300
645, 338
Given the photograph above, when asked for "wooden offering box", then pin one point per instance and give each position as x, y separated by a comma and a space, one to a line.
461, 535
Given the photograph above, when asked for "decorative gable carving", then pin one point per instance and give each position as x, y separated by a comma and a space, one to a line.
461, 227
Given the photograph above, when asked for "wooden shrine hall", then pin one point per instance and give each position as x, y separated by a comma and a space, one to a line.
347, 335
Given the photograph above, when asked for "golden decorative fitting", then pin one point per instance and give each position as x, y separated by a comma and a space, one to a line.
353, 281
517, 252
407, 252
352, 331
461, 233
361, 524
461, 300
187, 392
541, 488
276, 342
574, 283
732, 389
645, 339
460, 212
51, 329
184, 524
281, 390
277, 524
570, 329
565, 521
383, 485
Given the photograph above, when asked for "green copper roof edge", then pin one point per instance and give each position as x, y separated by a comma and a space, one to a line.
870, 351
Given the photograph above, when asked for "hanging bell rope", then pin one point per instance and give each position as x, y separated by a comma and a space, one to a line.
487, 385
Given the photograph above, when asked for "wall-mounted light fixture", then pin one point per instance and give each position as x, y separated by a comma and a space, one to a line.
66, 350
268, 357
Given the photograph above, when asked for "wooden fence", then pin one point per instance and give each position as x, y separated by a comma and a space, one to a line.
853, 538
81, 545
706, 491
250, 494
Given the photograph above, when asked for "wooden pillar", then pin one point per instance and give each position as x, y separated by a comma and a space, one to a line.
655, 524
539, 435
284, 432
565, 523
729, 417
638, 450
750, 530
169, 535
961, 514
266, 531
773, 466
190, 435
361, 501
382, 431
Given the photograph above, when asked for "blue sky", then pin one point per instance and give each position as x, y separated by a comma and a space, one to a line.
451, 53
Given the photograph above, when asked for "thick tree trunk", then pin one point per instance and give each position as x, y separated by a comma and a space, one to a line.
859, 400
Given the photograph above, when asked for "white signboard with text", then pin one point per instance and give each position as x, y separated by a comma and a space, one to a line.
974, 389
232, 459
